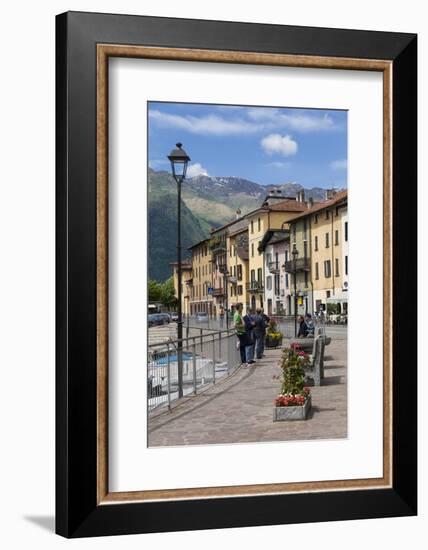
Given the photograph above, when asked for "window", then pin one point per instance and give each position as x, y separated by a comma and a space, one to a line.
306, 279
317, 271
346, 231
252, 226
252, 250
268, 258
277, 284
258, 247
336, 265
239, 273
316, 243
260, 275
305, 249
316, 218
286, 280
328, 294
327, 269
253, 275
327, 214
286, 255
346, 265
258, 224
269, 283
239, 288
327, 240
336, 237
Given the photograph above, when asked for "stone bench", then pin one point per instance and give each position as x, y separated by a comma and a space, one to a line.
316, 368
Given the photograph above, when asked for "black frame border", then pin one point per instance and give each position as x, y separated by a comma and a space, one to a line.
77, 512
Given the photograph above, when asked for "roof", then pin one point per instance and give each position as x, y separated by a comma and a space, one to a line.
199, 243
340, 196
273, 236
185, 264
289, 205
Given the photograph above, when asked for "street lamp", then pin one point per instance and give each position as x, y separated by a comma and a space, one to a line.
226, 275
295, 254
179, 160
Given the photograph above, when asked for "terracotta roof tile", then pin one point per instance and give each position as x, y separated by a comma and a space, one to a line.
338, 197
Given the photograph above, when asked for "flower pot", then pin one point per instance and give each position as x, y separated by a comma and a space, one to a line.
273, 342
292, 413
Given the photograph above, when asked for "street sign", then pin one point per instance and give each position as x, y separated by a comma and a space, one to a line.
210, 290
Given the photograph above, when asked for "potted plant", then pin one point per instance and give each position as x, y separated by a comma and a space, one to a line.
273, 335
294, 401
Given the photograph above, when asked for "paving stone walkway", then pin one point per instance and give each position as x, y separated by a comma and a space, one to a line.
239, 408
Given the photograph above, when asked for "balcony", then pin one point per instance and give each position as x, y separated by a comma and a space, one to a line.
255, 286
274, 267
218, 292
217, 246
233, 280
222, 268
302, 264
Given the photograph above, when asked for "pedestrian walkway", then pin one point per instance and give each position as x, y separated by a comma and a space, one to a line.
239, 409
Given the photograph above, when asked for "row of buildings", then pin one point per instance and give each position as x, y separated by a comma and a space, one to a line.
290, 250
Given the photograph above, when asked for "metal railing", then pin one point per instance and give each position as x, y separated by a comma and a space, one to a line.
255, 286
207, 357
302, 264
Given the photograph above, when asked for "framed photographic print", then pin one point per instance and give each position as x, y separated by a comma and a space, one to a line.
236, 274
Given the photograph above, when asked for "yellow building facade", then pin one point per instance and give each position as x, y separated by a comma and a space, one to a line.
320, 238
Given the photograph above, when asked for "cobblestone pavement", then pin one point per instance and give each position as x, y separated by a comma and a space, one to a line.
239, 408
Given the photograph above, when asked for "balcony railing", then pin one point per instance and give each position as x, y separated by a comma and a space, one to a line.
218, 292
302, 264
274, 267
255, 286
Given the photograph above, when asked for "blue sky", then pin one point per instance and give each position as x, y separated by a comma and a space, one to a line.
268, 145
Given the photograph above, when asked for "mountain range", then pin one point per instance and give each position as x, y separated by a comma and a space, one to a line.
207, 202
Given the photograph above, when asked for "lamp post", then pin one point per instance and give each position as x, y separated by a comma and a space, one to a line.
179, 160
226, 275
295, 253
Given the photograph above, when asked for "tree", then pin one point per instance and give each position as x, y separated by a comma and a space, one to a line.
155, 291
168, 297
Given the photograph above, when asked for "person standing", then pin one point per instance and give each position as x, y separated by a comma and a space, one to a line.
260, 332
221, 316
249, 328
303, 328
240, 332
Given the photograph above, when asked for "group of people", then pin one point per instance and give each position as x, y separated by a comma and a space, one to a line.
251, 332
306, 326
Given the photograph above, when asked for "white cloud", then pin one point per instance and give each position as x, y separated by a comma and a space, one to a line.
282, 145
277, 164
298, 121
196, 169
158, 163
341, 164
210, 124
225, 121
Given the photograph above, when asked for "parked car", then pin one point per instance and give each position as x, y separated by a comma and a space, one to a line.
201, 317
156, 319
166, 317
174, 316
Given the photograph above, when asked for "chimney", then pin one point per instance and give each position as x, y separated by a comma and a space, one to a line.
329, 194
310, 202
300, 197
238, 214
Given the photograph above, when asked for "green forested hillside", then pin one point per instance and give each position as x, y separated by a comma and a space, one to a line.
163, 232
